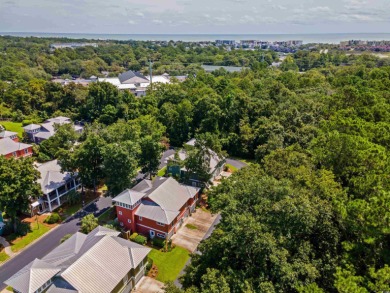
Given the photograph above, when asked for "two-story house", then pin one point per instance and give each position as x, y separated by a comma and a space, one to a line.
156, 208
55, 186
38, 133
98, 262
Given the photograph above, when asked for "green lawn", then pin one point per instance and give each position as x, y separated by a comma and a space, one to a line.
21, 242
162, 172
231, 167
13, 126
106, 216
3, 256
169, 264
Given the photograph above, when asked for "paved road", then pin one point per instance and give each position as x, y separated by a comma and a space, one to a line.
49, 241
164, 157
236, 163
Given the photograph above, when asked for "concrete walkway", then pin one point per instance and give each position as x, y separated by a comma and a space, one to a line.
7, 247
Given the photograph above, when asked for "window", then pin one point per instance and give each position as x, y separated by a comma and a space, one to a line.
121, 223
14, 154
140, 218
120, 213
161, 235
26, 151
160, 224
129, 221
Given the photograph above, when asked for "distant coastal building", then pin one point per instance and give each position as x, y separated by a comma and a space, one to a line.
72, 45
136, 82
225, 42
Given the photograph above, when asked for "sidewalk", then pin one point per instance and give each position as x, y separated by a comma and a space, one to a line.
7, 247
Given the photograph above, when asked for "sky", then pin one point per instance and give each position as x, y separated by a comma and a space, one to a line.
195, 16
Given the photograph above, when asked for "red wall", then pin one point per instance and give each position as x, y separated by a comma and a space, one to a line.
21, 153
138, 226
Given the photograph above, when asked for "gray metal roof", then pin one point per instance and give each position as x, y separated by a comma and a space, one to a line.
32, 277
84, 263
169, 194
8, 146
6, 133
132, 77
32, 127
51, 176
154, 212
102, 267
129, 197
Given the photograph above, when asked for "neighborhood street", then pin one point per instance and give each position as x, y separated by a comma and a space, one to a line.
49, 241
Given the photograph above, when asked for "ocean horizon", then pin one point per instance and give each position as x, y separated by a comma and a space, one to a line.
330, 38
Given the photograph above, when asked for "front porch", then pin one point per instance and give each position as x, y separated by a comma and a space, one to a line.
55, 198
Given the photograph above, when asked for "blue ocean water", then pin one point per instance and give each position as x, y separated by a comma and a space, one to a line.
306, 38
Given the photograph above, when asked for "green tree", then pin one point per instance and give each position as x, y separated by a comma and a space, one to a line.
120, 165
18, 184
88, 223
150, 155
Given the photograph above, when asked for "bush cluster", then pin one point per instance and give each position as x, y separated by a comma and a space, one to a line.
138, 239
53, 218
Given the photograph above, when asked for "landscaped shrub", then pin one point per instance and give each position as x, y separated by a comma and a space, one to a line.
158, 242
133, 236
53, 218
148, 265
140, 239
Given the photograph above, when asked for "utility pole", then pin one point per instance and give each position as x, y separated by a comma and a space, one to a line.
151, 73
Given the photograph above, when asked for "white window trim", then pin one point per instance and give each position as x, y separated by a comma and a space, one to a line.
140, 218
160, 224
120, 213
129, 221
161, 235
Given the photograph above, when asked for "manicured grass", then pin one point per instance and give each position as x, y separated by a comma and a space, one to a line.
169, 264
246, 161
162, 172
231, 167
13, 126
192, 227
106, 216
3, 256
21, 242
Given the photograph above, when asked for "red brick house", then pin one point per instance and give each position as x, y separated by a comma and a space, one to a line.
10, 148
156, 208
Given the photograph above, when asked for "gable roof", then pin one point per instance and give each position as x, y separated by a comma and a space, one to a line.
8, 146
96, 262
132, 77
169, 194
154, 212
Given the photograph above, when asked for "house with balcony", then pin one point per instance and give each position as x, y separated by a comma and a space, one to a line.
11, 148
55, 186
98, 262
39, 132
156, 208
